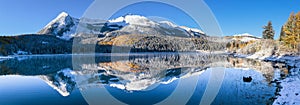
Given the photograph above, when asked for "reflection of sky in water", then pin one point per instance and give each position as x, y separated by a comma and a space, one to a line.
150, 97
233, 90
32, 90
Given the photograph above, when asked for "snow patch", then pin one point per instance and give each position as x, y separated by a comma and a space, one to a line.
133, 20
167, 24
169, 81
245, 37
192, 29
22, 52
119, 86
290, 92
244, 34
43, 42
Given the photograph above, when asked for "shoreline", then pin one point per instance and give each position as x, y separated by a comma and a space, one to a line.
292, 61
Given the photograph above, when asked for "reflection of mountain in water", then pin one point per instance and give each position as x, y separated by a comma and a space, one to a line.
133, 73
63, 81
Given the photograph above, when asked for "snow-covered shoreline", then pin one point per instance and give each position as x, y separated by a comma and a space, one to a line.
292, 61
289, 87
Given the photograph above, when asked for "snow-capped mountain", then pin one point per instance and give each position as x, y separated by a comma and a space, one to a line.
65, 27
135, 24
245, 37
244, 34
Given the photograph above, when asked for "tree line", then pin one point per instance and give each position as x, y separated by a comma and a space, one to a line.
290, 32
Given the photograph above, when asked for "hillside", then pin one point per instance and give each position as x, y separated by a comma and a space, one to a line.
129, 33
34, 44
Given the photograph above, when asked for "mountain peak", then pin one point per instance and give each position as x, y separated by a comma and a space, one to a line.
63, 14
62, 26
244, 34
61, 18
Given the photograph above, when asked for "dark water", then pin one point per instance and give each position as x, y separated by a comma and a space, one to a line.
162, 78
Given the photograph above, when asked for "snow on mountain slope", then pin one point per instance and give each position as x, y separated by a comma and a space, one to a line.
66, 27
63, 26
135, 24
133, 20
193, 31
167, 24
246, 37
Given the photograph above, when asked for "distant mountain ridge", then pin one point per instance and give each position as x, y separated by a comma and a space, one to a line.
131, 32
66, 27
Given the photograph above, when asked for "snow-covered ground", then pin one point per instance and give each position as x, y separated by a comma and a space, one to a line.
289, 93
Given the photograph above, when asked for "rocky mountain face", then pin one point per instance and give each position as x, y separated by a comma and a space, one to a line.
63, 26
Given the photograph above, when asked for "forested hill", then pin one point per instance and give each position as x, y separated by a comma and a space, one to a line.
34, 44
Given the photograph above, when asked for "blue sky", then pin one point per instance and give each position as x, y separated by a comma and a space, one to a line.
240, 16
29, 16
234, 16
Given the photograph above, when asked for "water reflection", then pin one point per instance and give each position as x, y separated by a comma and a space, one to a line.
146, 76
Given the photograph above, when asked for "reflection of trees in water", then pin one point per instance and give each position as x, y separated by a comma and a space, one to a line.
266, 68
34, 65
4, 70
105, 71
4, 41
138, 63
163, 62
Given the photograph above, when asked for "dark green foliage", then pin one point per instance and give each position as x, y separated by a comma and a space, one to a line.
268, 32
282, 34
34, 44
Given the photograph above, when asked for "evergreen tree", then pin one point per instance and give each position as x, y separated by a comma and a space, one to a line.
282, 34
268, 32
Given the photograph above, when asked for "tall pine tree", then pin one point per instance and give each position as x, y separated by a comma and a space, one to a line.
268, 32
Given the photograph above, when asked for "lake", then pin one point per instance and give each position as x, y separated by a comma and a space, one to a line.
139, 78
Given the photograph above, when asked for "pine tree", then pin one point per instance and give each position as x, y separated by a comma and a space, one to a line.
282, 34
268, 32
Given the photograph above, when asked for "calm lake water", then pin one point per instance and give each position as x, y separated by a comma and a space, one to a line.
158, 78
